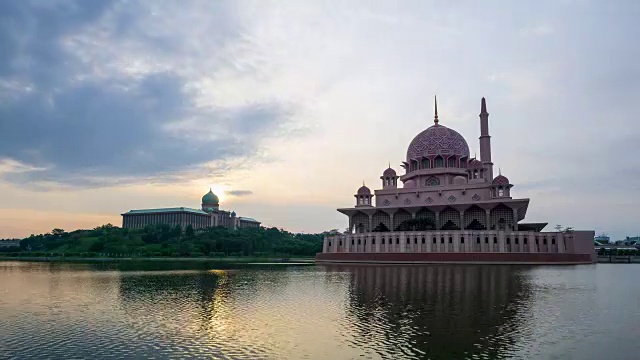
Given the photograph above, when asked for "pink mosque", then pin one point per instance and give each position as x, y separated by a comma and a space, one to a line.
450, 208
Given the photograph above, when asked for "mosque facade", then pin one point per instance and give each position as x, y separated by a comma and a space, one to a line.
449, 208
209, 215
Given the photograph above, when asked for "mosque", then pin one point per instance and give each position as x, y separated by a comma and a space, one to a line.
450, 208
210, 215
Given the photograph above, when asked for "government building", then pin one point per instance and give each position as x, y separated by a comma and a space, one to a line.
209, 215
449, 207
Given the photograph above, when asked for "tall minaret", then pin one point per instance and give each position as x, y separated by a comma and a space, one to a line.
485, 141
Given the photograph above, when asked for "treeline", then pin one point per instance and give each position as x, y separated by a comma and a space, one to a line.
164, 240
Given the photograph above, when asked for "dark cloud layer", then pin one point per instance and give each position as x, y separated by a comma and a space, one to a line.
239, 192
92, 131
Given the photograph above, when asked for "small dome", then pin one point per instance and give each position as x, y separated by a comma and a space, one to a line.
500, 180
409, 184
459, 180
233, 213
389, 172
364, 190
475, 164
210, 198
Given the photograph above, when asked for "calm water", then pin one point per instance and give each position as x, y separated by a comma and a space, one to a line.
67, 311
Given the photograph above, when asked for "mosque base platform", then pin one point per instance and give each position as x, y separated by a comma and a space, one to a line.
452, 258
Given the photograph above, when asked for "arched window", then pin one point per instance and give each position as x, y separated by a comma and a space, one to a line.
438, 162
432, 181
462, 240
475, 174
426, 164
361, 200
451, 162
500, 192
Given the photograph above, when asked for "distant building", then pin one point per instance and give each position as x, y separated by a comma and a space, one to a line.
8, 243
208, 216
602, 239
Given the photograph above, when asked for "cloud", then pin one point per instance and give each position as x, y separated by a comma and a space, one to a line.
85, 120
239, 192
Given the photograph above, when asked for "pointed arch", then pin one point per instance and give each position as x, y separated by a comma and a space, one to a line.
425, 220
432, 181
381, 222
425, 164
475, 218
361, 222
399, 217
451, 162
438, 162
449, 219
501, 218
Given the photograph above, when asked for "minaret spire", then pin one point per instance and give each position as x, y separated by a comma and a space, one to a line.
483, 107
485, 139
435, 116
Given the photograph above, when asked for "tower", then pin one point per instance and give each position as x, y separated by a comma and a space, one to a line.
485, 140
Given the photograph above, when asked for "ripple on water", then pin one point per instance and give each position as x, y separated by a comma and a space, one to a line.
312, 312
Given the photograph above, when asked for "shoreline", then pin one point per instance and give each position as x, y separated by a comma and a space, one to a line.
238, 260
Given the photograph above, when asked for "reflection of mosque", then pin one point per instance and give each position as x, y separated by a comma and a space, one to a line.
439, 311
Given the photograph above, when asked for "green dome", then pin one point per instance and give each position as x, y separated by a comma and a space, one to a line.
210, 198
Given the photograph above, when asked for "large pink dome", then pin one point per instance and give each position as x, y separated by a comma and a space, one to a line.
438, 140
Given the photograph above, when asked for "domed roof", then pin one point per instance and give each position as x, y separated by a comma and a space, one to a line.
364, 190
459, 180
500, 180
389, 172
475, 164
409, 184
437, 139
210, 198
233, 213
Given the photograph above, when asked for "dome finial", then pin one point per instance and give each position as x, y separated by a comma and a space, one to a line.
435, 116
362, 182
499, 171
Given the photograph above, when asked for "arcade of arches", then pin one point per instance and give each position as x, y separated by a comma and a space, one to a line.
500, 217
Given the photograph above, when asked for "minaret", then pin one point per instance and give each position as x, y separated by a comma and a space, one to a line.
485, 141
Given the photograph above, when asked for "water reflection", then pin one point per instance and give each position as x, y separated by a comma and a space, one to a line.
61, 311
438, 311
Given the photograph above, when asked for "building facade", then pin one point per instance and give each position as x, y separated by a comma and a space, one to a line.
210, 215
450, 207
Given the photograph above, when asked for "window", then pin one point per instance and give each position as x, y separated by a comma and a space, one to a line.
408, 241
415, 241
358, 241
478, 240
524, 241
442, 240
553, 241
329, 243
373, 241
450, 240
475, 174
536, 240
352, 242
338, 244
516, 240
462, 240
508, 241
361, 201
495, 240
438, 162
544, 241
432, 181
423, 240
382, 241
397, 241
434, 240
500, 192
426, 163
486, 240
365, 242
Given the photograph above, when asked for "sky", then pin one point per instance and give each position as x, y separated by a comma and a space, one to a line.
284, 108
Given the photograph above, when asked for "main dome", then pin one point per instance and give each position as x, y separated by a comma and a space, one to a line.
437, 140
210, 198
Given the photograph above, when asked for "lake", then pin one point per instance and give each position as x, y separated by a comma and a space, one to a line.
261, 311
